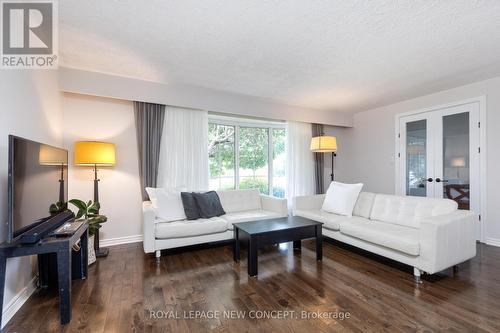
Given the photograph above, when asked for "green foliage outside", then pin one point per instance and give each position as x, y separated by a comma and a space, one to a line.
255, 182
253, 148
220, 149
253, 153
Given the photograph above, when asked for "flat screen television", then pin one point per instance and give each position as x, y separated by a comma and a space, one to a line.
37, 185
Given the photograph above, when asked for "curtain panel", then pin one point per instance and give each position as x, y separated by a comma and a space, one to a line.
149, 120
319, 162
184, 150
300, 161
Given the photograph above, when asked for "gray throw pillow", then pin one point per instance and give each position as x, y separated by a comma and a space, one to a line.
208, 204
190, 206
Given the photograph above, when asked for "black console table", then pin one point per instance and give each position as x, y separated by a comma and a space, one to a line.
62, 248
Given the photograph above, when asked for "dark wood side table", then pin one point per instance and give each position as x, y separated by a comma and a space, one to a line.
62, 247
272, 231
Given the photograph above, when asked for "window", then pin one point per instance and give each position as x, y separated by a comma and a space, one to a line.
247, 154
221, 156
279, 162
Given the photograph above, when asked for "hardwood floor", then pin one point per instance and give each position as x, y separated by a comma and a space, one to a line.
379, 296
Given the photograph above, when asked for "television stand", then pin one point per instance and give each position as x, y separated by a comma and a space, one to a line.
62, 247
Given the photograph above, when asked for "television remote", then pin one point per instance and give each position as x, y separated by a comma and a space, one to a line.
67, 229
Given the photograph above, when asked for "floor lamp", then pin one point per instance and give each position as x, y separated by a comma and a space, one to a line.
325, 144
95, 154
50, 156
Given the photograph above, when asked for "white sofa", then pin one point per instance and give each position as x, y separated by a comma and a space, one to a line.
426, 233
239, 205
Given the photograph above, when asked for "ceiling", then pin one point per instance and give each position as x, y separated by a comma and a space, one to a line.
344, 56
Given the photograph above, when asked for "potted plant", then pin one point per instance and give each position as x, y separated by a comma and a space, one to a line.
89, 211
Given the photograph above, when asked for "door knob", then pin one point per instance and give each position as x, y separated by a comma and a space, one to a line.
430, 180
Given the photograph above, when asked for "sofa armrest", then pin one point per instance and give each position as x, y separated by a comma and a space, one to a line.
447, 240
307, 202
148, 227
277, 205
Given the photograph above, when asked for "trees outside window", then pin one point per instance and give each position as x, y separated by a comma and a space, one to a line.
240, 155
254, 158
221, 156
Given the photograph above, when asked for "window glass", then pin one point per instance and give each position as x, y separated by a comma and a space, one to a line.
240, 156
221, 156
254, 158
279, 160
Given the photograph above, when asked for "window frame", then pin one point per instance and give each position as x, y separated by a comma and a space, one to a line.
269, 125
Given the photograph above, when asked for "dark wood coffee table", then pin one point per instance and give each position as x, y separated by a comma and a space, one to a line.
273, 231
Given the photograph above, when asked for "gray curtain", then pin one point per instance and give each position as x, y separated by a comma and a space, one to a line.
319, 162
149, 119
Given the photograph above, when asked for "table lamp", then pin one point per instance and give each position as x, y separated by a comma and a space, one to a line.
325, 144
95, 154
458, 162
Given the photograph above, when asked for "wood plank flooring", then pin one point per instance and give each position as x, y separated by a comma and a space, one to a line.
378, 295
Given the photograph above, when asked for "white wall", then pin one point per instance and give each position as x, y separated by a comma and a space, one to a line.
111, 120
29, 107
366, 153
99, 84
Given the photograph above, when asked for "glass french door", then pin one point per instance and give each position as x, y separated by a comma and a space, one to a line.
439, 155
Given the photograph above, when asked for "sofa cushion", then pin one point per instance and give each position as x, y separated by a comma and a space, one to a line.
396, 237
208, 204
329, 220
190, 206
190, 228
249, 215
166, 204
341, 198
409, 211
240, 200
364, 205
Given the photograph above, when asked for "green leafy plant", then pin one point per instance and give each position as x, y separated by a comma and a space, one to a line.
89, 211
58, 207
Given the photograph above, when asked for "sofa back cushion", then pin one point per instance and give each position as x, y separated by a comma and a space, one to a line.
409, 211
364, 204
166, 204
240, 200
208, 204
341, 198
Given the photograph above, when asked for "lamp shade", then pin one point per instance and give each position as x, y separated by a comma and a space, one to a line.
94, 153
458, 162
52, 156
324, 144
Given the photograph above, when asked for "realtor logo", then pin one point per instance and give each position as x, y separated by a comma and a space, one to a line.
29, 34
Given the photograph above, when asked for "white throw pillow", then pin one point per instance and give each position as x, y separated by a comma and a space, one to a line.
341, 198
167, 204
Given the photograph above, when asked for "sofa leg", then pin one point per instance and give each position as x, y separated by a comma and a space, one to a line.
158, 256
416, 274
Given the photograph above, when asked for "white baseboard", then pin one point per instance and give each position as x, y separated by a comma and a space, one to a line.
17, 301
493, 241
120, 240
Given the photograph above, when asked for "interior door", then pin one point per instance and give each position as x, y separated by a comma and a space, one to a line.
439, 155
416, 156
457, 156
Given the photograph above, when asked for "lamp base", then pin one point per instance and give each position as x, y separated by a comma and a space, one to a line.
102, 252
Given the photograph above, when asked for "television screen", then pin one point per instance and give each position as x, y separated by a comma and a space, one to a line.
37, 184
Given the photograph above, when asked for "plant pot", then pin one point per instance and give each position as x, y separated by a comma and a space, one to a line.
91, 250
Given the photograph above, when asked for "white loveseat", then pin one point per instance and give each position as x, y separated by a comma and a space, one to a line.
426, 233
239, 205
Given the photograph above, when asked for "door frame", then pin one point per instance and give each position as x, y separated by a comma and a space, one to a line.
482, 156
